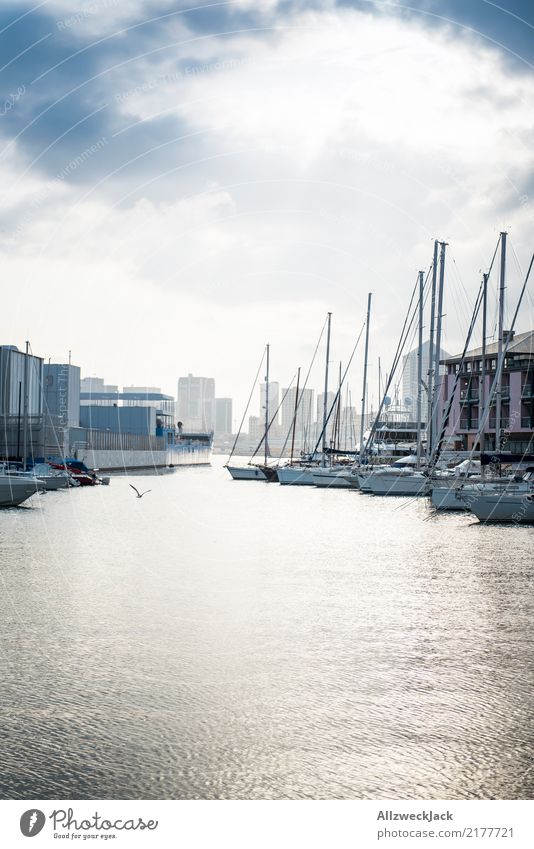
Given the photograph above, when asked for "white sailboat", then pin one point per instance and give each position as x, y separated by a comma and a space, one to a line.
301, 474
252, 471
505, 504
15, 489
405, 476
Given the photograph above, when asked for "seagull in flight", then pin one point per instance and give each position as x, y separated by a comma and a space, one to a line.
139, 494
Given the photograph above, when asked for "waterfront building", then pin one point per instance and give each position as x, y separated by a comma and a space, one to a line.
93, 386
61, 390
517, 411
162, 405
151, 396
21, 403
133, 419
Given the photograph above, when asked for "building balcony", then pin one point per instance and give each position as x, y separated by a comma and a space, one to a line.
505, 422
527, 392
465, 424
527, 421
469, 395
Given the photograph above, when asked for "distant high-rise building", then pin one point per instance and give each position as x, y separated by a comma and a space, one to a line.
409, 380
304, 427
255, 428
320, 412
196, 402
274, 400
223, 416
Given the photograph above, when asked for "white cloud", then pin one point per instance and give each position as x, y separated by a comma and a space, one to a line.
330, 151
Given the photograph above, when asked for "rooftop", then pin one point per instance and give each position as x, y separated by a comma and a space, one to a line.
522, 343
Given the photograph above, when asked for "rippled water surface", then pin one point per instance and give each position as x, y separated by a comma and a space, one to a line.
236, 639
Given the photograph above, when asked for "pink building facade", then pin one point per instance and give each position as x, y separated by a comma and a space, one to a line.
517, 411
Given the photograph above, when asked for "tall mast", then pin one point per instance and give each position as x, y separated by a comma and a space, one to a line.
420, 366
379, 382
295, 418
498, 393
266, 447
430, 381
325, 404
437, 347
26, 405
482, 382
366, 356
337, 429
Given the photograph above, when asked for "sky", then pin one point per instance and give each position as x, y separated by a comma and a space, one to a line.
184, 182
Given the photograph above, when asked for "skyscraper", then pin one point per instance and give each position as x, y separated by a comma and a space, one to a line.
223, 416
409, 380
304, 428
274, 400
196, 402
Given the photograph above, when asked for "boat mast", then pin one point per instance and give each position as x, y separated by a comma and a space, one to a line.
437, 346
430, 381
325, 404
366, 357
266, 447
26, 405
420, 367
337, 428
498, 394
295, 418
482, 382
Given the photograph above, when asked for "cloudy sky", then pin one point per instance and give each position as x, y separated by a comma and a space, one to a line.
183, 182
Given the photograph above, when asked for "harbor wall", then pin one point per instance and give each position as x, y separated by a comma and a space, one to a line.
114, 460
110, 460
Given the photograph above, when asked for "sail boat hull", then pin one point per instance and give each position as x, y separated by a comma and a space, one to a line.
332, 478
514, 508
246, 473
451, 498
13, 490
391, 484
295, 476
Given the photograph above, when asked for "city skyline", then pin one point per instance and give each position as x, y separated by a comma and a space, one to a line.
166, 197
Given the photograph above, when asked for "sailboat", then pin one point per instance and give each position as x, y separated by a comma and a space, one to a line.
301, 473
461, 494
512, 503
14, 489
406, 476
252, 471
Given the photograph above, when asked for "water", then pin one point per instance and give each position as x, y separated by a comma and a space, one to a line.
227, 639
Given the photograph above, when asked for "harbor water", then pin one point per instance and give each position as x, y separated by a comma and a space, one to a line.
222, 639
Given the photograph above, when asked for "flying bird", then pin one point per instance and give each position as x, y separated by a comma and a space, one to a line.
140, 494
